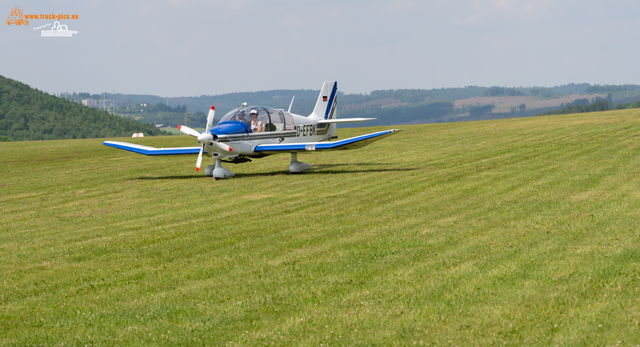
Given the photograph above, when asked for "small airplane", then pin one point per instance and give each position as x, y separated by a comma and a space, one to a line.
256, 131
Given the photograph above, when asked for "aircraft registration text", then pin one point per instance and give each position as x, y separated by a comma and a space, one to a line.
306, 130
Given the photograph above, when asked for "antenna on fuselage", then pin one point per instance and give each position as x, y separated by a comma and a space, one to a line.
291, 104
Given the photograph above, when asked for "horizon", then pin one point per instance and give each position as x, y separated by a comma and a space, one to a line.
366, 93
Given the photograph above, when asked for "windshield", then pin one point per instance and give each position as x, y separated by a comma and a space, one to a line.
258, 118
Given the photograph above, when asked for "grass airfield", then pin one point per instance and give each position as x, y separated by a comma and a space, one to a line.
508, 232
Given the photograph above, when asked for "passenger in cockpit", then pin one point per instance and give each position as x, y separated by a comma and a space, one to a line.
256, 125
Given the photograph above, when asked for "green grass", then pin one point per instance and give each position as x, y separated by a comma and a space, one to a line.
509, 232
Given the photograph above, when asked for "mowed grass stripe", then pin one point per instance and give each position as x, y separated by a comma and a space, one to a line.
521, 231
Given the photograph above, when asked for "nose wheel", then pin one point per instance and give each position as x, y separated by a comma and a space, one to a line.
217, 171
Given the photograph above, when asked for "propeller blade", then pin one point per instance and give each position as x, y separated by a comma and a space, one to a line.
185, 129
210, 116
223, 146
199, 158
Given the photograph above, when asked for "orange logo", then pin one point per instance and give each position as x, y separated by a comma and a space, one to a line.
16, 17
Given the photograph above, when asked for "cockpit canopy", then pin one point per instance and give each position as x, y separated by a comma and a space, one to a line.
267, 119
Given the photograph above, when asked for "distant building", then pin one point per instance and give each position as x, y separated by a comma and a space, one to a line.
105, 103
90, 102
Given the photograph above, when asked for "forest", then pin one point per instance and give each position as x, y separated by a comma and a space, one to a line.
30, 114
585, 106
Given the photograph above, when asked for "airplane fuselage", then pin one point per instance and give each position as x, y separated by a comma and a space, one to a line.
284, 127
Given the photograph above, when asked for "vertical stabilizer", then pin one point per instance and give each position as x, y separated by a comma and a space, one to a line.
327, 101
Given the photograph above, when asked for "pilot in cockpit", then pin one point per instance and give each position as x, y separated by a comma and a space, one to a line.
240, 117
256, 125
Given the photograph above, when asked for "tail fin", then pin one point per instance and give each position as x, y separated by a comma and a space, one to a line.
327, 101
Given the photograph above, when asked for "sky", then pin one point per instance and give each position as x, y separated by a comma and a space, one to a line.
192, 47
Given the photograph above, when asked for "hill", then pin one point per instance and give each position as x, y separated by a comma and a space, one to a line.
509, 232
29, 114
396, 106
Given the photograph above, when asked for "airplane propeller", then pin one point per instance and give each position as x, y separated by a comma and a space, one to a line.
205, 137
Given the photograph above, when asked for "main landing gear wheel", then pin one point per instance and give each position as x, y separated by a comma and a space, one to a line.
297, 166
217, 171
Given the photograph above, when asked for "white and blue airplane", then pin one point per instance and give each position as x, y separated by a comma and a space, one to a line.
256, 131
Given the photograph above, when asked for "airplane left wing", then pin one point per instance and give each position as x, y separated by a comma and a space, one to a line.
146, 150
350, 143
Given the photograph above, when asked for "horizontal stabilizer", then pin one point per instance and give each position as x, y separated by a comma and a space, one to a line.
350, 143
146, 150
344, 120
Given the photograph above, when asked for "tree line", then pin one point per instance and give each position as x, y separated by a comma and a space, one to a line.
597, 106
612, 88
499, 91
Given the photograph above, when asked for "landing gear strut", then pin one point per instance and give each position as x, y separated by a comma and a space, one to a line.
217, 171
297, 166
